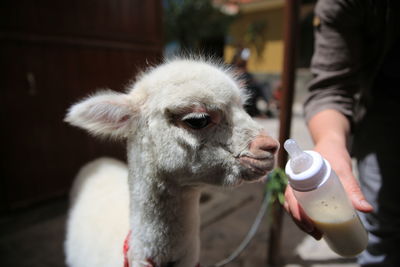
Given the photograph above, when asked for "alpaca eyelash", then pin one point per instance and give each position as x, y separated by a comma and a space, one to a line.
195, 116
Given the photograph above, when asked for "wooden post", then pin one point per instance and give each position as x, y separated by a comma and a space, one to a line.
291, 16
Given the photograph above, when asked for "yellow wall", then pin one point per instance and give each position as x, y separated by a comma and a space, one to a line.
270, 59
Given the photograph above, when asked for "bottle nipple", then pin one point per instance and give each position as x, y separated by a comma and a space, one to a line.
300, 161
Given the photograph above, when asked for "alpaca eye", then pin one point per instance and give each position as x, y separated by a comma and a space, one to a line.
198, 121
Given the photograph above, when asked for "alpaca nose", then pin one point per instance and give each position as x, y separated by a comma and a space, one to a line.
263, 144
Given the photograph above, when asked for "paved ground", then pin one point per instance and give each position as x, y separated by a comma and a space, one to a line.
34, 238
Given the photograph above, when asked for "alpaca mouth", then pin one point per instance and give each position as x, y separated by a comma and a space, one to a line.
255, 168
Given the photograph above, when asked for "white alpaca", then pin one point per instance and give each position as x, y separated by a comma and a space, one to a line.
185, 127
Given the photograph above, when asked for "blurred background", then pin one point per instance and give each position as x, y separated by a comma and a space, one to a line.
55, 52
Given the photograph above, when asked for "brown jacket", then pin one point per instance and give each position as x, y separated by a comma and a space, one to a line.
353, 41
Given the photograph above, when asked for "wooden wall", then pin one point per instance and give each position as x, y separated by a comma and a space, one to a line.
51, 54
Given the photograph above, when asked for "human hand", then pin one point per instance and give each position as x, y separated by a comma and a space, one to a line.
341, 163
340, 160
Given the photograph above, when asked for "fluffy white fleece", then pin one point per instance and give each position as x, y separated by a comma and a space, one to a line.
99, 200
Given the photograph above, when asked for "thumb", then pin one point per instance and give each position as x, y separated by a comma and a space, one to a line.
356, 196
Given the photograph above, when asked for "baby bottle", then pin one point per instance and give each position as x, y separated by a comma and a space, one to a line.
321, 195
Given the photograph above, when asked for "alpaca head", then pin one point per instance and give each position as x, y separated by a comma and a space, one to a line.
183, 121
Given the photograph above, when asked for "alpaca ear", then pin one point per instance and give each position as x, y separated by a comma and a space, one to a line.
105, 114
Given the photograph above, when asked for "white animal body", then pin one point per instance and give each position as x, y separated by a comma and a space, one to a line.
185, 127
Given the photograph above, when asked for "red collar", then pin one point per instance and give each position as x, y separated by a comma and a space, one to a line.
126, 248
150, 262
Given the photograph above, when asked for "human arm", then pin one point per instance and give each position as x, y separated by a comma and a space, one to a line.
337, 66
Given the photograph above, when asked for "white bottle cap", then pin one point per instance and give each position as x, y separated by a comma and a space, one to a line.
310, 177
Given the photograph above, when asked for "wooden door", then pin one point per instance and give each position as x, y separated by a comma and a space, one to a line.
53, 53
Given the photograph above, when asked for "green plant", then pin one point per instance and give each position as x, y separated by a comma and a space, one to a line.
275, 186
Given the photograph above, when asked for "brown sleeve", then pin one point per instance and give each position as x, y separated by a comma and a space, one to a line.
337, 58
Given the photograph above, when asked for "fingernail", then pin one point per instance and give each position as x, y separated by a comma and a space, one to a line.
365, 204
